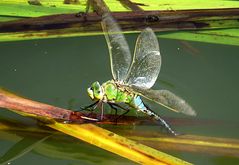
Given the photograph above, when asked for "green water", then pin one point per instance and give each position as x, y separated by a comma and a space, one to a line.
58, 71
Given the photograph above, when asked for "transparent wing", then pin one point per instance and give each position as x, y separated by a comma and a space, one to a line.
120, 57
166, 99
146, 63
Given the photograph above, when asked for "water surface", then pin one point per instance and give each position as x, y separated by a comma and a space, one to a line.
58, 71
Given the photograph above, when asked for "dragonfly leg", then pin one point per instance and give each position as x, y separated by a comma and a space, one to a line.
113, 105
90, 107
101, 106
155, 116
93, 106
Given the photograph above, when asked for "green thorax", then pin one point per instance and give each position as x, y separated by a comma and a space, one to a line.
116, 93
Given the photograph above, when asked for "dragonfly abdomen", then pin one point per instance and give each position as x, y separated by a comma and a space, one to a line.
138, 104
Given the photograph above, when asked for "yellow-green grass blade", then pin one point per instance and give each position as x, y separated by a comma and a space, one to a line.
21, 148
222, 36
183, 143
117, 144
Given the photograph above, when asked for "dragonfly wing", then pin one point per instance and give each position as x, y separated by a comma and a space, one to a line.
166, 99
120, 57
146, 63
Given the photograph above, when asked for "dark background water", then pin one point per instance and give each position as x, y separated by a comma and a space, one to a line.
58, 72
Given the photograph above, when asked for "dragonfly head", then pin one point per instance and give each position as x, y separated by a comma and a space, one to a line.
95, 91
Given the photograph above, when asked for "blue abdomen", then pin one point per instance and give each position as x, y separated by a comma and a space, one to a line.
137, 103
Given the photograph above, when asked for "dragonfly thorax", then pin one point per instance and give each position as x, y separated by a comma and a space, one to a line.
110, 91
115, 92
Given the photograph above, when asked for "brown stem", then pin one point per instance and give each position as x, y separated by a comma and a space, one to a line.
33, 108
158, 20
47, 112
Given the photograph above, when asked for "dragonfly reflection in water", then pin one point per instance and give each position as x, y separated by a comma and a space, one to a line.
133, 78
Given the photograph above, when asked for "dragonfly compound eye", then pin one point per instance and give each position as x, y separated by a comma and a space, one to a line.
91, 93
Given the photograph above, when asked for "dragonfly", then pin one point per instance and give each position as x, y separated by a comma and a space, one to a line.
134, 76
